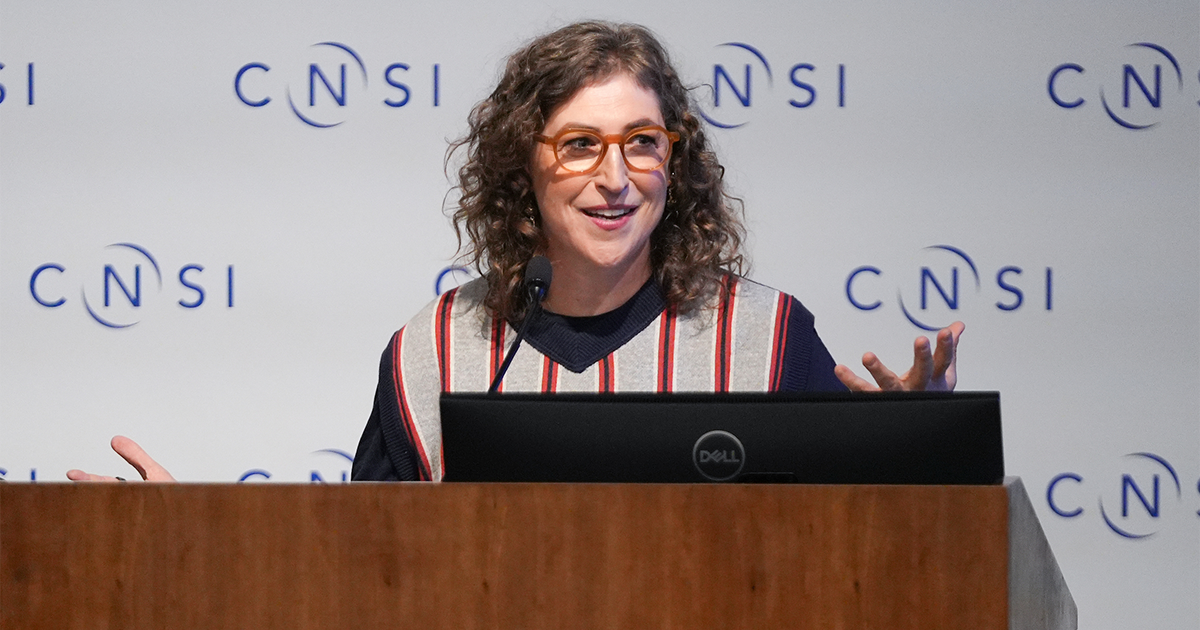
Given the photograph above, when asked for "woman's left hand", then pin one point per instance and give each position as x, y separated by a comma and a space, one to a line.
931, 370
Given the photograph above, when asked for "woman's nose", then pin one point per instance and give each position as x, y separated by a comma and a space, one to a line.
612, 174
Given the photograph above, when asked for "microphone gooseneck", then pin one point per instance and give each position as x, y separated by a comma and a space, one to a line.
538, 274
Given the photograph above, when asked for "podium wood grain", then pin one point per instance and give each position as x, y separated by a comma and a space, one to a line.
525, 556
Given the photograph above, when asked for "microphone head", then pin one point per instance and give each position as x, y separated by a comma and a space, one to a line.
538, 273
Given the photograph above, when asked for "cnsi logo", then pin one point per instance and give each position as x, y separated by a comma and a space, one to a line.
331, 465
322, 85
742, 76
15, 74
118, 285
1132, 93
451, 277
929, 294
1133, 504
719, 456
4, 474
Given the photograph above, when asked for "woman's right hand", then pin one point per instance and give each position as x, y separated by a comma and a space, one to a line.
128, 449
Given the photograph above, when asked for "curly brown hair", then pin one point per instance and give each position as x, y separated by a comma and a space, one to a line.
699, 238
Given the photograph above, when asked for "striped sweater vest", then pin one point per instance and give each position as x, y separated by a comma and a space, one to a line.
452, 345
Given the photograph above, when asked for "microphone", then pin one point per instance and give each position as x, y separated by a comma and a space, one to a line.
538, 274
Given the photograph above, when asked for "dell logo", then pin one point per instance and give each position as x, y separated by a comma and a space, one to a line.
719, 456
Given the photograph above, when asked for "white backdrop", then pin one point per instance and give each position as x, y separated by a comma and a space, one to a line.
873, 132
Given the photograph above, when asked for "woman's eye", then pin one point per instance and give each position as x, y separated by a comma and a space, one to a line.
579, 143
642, 144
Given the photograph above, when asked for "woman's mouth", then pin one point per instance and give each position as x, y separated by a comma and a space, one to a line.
609, 213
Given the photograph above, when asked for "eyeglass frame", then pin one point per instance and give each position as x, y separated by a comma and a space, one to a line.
607, 139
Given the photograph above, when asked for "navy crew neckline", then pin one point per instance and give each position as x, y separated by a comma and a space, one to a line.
579, 342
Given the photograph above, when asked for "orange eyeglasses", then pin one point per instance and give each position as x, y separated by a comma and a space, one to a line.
582, 150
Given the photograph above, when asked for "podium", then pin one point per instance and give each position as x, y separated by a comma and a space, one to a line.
525, 556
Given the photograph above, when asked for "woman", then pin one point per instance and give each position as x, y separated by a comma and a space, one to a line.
588, 152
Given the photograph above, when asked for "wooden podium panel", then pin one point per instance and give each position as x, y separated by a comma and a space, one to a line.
519, 556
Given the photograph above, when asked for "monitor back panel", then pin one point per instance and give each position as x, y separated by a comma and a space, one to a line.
893, 438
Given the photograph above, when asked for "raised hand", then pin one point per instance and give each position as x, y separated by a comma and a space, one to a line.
931, 370
132, 453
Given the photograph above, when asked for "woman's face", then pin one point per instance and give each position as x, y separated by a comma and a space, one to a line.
600, 222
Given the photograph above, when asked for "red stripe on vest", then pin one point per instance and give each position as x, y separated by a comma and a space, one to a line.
549, 376
782, 315
666, 351
497, 352
608, 377
406, 416
443, 336
724, 347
